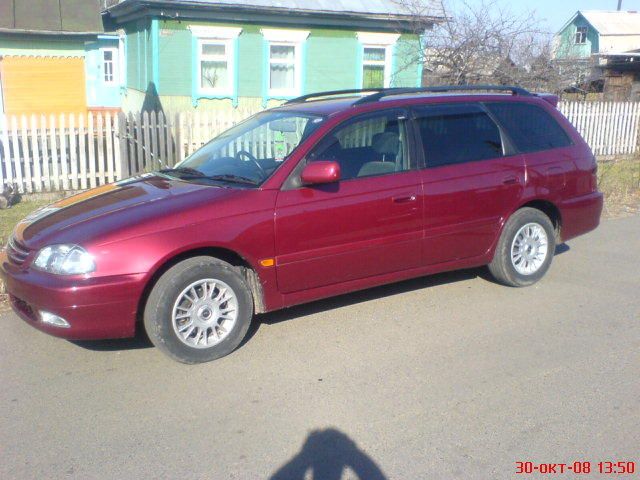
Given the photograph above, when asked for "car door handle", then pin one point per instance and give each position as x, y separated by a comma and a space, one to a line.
510, 180
405, 199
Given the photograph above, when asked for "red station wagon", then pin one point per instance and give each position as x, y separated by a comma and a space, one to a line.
328, 194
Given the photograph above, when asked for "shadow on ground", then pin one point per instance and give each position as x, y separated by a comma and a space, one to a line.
142, 341
325, 455
138, 342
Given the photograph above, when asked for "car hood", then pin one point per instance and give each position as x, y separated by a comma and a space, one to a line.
132, 202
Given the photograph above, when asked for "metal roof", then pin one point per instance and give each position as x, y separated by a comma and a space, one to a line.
612, 22
51, 16
433, 8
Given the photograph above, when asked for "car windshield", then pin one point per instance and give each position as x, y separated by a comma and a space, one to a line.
247, 154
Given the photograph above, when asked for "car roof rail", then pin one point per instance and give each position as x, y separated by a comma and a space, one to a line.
332, 93
376, 94
443, 89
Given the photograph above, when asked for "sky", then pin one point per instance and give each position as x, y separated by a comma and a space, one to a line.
555, 13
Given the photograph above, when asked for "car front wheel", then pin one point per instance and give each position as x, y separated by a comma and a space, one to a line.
199, 310
525, 249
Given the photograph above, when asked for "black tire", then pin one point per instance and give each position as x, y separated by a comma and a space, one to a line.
159, 307
502, 268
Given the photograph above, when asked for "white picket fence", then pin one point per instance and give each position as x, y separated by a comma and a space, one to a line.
77, 151
610, 128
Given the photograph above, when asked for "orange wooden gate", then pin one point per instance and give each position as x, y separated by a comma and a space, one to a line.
43, 84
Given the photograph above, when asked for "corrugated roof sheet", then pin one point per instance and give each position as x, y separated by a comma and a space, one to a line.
364, 7
68, 16
611, 22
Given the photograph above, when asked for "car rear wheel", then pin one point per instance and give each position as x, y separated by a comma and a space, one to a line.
525, 249
199, 310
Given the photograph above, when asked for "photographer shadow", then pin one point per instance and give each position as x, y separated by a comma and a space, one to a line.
326, 454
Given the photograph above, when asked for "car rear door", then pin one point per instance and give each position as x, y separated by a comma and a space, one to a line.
367, 224
472, 180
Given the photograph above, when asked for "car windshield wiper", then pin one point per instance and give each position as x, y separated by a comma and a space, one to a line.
184, 170
229, 178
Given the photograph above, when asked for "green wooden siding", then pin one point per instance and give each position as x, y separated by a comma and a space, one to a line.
406, 62
53, 47
139, 55
332, 60
567, 47
175, 59
251, 69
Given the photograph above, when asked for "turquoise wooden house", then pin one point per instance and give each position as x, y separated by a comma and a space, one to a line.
211, 54
56, 57
591, 33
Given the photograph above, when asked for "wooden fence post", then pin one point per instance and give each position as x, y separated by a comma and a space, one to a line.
124, 166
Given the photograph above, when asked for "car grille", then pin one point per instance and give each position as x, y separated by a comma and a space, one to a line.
17, 252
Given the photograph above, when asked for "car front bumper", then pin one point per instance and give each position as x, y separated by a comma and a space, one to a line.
95, 307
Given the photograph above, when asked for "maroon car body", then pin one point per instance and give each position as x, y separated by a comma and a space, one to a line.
325, 239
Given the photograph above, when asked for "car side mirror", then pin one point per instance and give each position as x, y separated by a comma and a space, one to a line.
320, 172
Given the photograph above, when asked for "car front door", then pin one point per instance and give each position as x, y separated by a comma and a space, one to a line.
369, 223
472, 179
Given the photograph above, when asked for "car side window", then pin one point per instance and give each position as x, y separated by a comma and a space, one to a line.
367, 146
457, 133
530, 127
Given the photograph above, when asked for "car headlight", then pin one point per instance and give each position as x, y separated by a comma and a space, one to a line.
64, 260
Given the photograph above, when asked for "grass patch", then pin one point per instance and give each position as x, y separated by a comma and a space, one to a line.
11, 216
619, 181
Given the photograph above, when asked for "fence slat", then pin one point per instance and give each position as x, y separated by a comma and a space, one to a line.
35, 152
153, 132
26, 155
17, 169
53, 139
180, 148
170, 156
100, 147
162, 141
7, 178
73, 151
109, 159
131, 135
117, 147
4, 137
44, 144
82, 152
148, 160
63, 154
91, 149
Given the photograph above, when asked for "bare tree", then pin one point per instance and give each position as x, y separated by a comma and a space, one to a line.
486, 42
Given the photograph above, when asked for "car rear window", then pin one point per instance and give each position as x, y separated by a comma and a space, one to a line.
530, 127
457, 134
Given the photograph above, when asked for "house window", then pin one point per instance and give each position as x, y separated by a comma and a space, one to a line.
215, 66
109, 65
215, 62
282, 68
284, 63
377, 59
581, 35
373, 67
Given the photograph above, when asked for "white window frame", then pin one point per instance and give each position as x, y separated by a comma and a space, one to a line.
386, 41
227, 58
288, 38
115, 65
225, 36
583, 32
